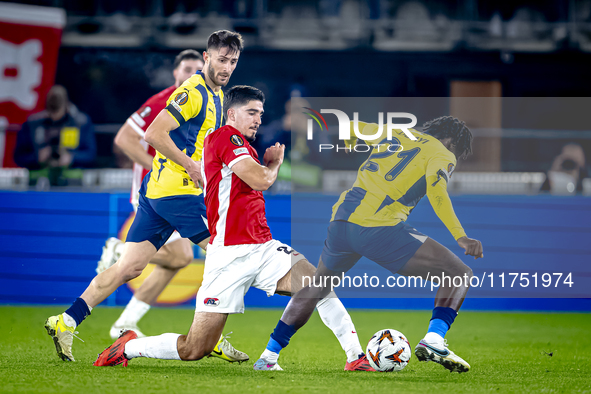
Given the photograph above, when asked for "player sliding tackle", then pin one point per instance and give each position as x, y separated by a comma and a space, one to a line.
242, 252
170, 198
369, 220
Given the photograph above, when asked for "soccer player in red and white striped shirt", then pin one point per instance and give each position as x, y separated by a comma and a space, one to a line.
177, 253
241, 252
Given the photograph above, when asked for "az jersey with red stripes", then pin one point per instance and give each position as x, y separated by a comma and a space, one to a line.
235, 212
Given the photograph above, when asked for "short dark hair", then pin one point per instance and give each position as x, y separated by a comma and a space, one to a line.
186, 54
225, 38
450, 127
241, 95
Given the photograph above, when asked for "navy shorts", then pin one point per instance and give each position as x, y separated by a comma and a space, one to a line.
389, 246
156, 219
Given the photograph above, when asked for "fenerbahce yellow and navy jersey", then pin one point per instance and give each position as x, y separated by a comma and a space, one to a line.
392, 181
197, 109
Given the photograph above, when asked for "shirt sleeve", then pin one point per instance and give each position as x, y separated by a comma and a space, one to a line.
439, 171
184, 103
231, 148
141, 119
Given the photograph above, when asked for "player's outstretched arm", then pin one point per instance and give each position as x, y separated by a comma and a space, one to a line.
437, 177
157, 136
258, 177
130, 143
441, 203
442, 206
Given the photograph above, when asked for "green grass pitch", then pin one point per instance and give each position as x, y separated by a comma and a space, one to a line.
508, 352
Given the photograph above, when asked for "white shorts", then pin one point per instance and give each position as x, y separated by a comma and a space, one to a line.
175, 236
231, 270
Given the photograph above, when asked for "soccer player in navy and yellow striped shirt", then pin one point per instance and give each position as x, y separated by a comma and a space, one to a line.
369, 220
170, 196
395, 177
193, 110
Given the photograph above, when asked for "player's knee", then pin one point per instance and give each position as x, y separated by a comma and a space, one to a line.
186, 257
469, 272
458, 268
304, 268
464, 270
178, 255
181, 259
129, 270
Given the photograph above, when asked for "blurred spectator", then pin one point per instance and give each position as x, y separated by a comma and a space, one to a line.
567, 172
57, 139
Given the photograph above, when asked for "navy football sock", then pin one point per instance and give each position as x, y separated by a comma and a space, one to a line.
79, 310
441, 320
280, 337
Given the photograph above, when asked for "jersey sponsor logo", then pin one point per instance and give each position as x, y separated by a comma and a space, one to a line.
145, 112
236, 140
181, 98
240, 151
211, 302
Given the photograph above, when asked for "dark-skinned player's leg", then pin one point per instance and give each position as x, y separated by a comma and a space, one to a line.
302, 304
435, 260
301, 307
330, 309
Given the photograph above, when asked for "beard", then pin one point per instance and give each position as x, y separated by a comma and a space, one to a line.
251, 139
212, 76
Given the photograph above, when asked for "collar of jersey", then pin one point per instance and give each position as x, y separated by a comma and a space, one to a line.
205, 83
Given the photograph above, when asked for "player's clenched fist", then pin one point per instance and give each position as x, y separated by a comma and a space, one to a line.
274, 154
473, 247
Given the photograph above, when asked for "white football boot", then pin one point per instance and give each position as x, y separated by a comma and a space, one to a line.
434, 348
263, 365
111, 253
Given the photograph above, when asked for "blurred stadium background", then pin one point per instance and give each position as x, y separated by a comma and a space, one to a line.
524, 192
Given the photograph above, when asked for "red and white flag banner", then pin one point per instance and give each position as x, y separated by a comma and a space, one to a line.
30, 38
